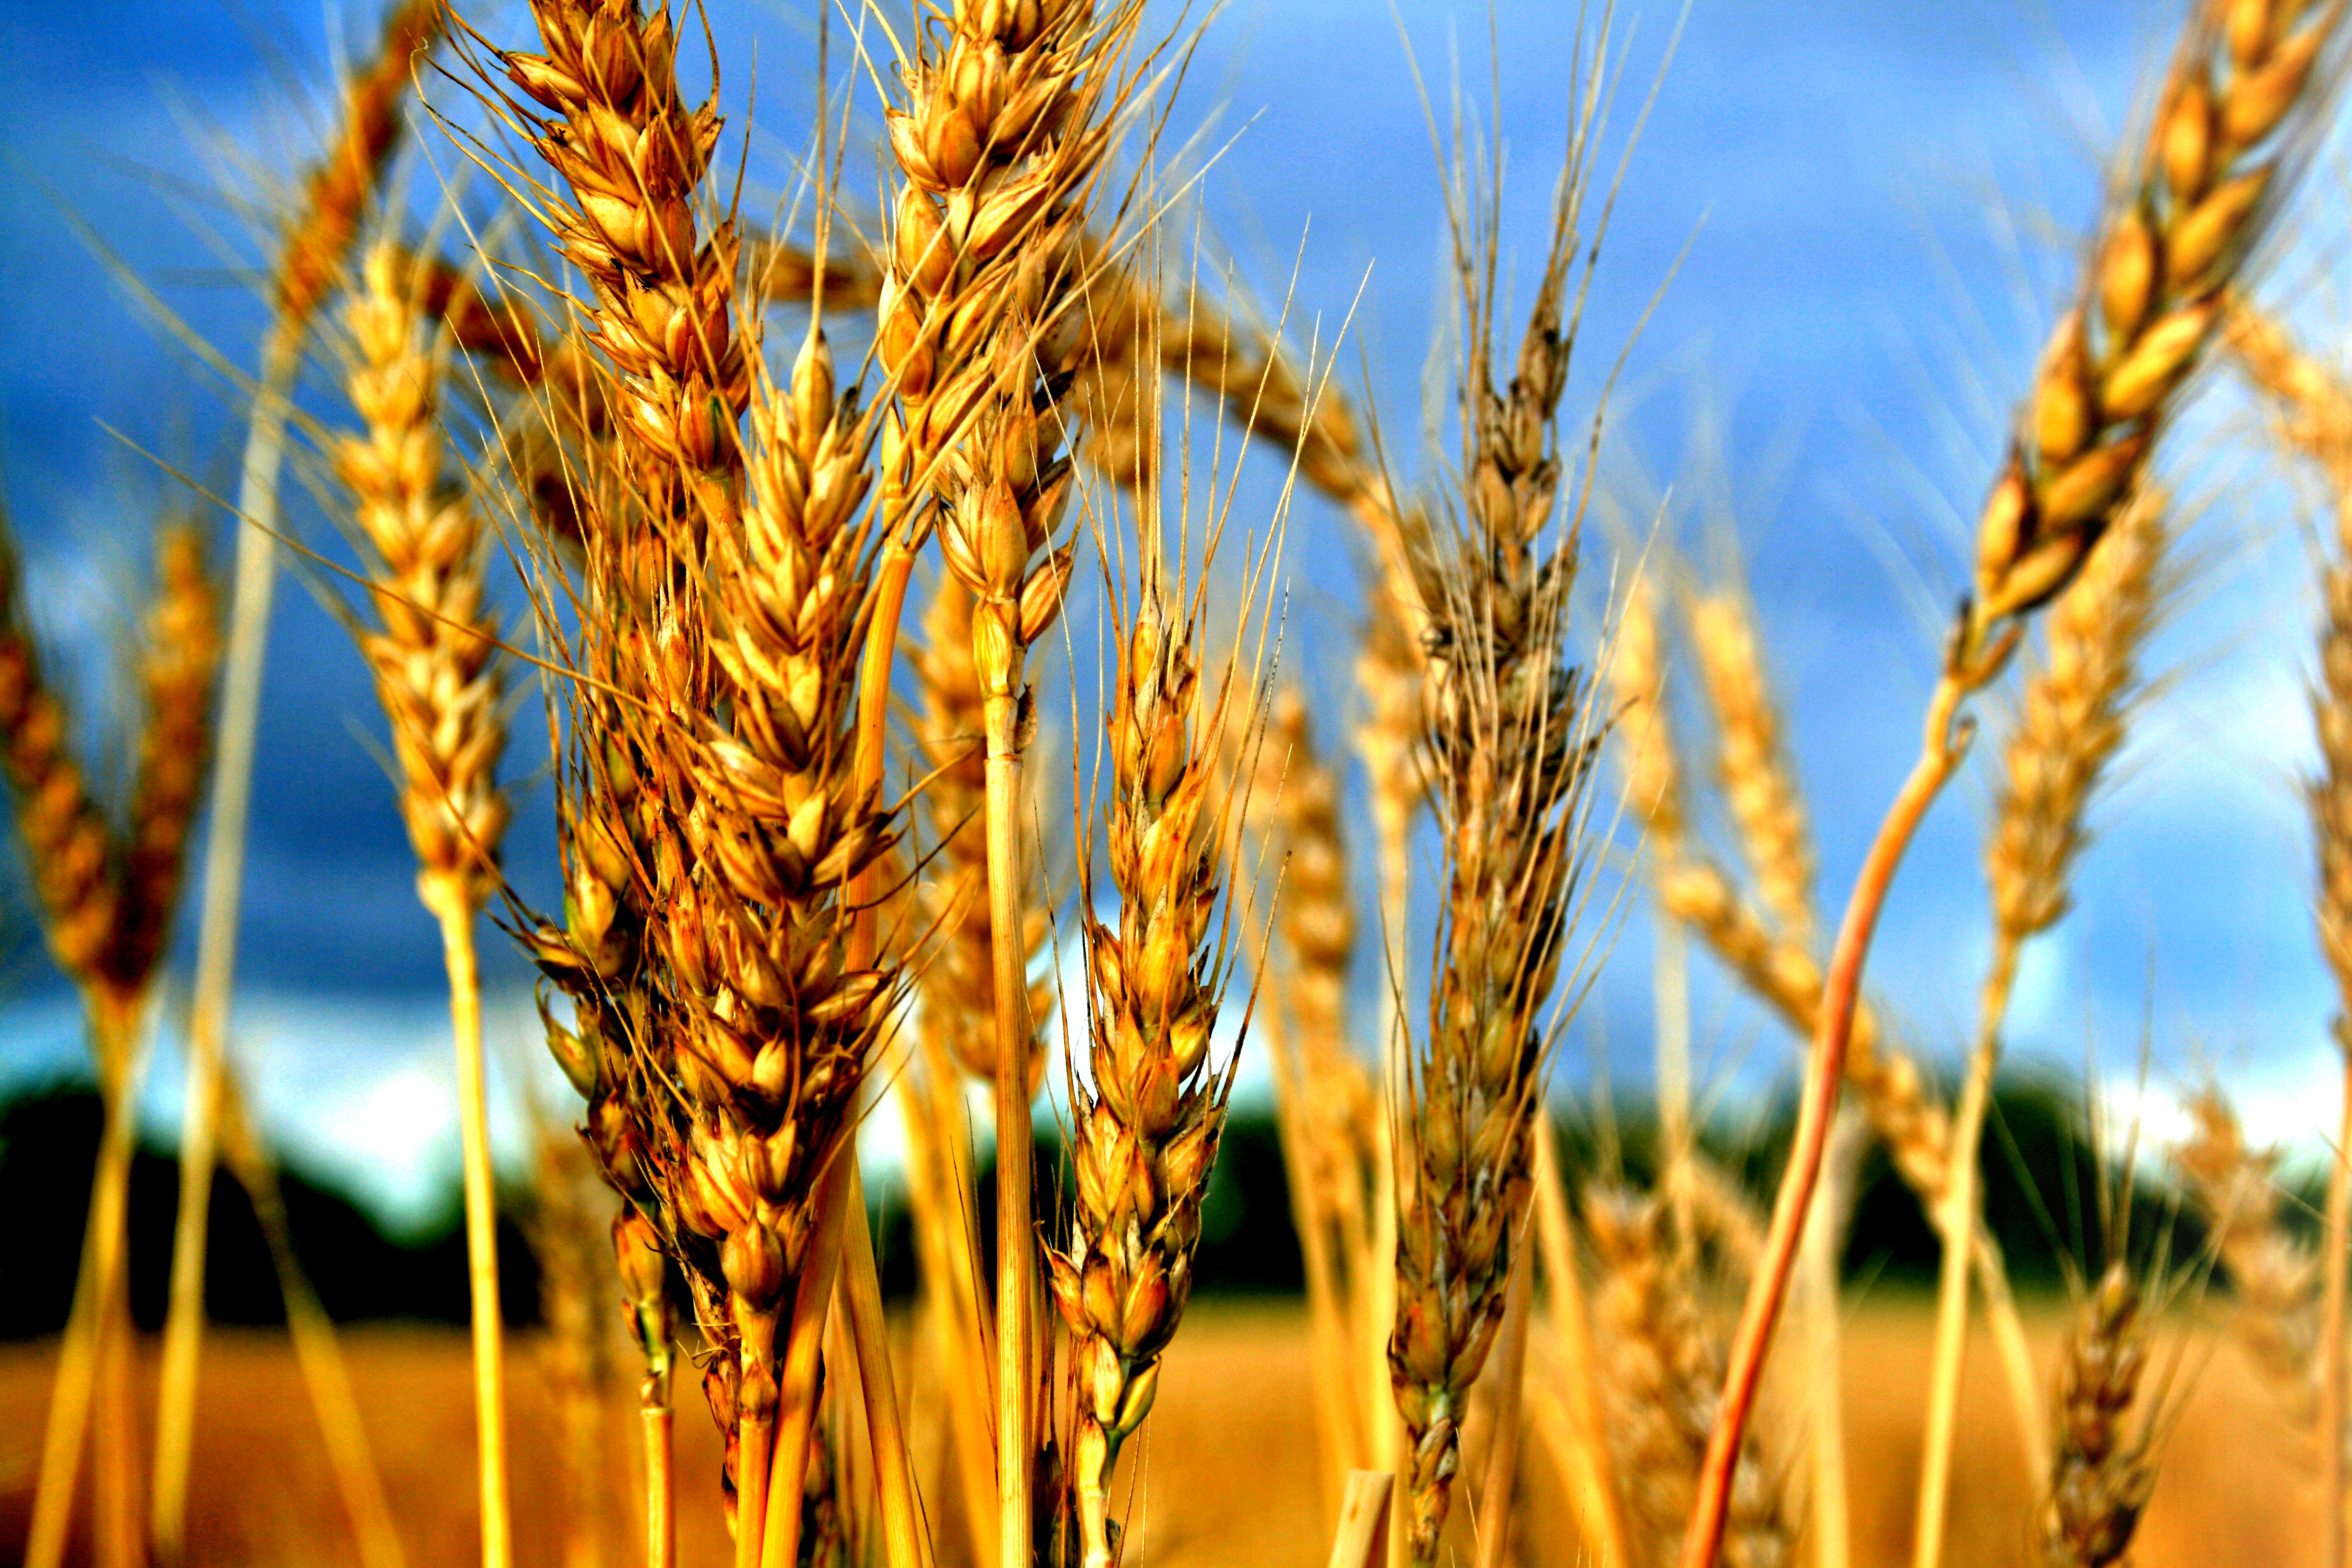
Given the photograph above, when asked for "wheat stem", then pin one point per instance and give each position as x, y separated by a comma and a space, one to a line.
1825, 1071
655, 1434
1832, 1525
776, 1537
312, 1334
904, 1542
1016, 1302
1362, 1539
1956, 1219
451, 902
2333, 1295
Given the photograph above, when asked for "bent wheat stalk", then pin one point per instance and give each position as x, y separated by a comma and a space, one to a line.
2204, 184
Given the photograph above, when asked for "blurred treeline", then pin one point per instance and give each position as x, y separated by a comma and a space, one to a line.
2047, 1183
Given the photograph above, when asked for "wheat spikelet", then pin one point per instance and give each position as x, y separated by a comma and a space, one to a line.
2103, 1474
2275, 1277
1148, 1121
1662, 1374
1644, 729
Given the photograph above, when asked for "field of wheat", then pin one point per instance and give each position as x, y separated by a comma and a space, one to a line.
880, 596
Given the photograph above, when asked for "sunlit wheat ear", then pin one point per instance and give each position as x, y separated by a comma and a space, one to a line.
2273, 1275
2245, 98
434, 640
1149, 1112
1660, 1373
2104, 1472
605, 112
2071, 719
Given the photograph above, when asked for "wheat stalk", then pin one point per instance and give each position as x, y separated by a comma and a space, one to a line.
2070, 725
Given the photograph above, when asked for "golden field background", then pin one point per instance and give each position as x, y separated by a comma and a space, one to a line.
1227, 1460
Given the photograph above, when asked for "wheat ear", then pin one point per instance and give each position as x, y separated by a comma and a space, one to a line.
1508, 761
2204, 184
433, 650
72, 858
1147, 1125
1661, 1371
309, 259
2102, 1475
2069, 726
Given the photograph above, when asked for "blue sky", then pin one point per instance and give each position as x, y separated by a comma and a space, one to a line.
1868, 212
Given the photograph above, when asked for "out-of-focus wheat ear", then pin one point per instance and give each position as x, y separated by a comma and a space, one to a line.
2310, 401
2273, 1274
310, 257
71, 857
1660, 1374
175, 669
2315, 415
2070, 725
2103, 1473
1752, 761
1584, 1452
